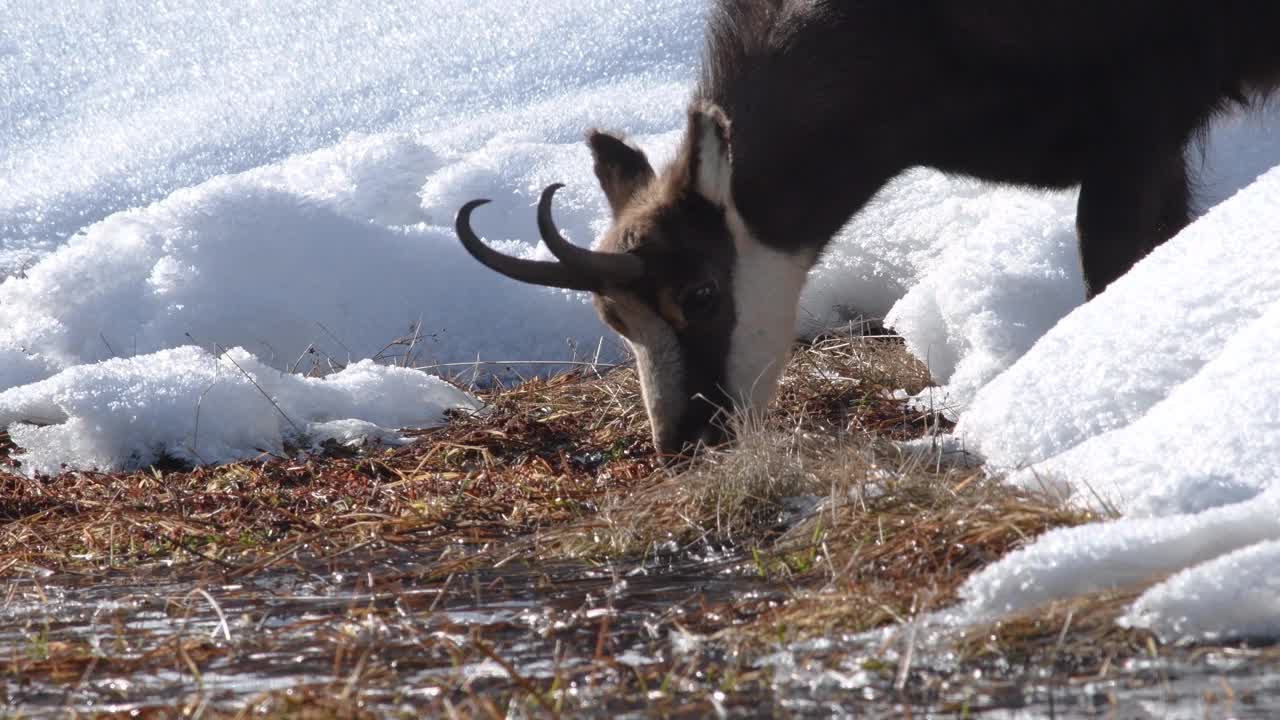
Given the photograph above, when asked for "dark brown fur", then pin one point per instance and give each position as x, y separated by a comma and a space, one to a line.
830, 100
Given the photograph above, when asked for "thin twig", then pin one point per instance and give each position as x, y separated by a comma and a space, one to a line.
222, 352
335, 339
222, 618
294, 368
519, 679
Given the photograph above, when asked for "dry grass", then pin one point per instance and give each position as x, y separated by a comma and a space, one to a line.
817, 502
1076, 637
543, 453
898, 547
837, 398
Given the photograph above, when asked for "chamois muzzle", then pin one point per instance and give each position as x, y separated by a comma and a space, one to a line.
577, 268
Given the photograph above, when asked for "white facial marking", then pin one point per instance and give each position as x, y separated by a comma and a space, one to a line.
766, 293
766, 287
658, 363
713, 164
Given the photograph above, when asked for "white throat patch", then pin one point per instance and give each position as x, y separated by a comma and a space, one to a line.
766, 294
714, 167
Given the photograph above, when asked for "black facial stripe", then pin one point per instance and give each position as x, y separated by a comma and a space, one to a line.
705, 343
704, 362
704, 349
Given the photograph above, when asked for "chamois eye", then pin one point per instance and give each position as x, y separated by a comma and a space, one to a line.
699, 298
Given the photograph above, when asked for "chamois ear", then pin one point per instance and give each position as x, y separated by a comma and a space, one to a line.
709, 153
621, 169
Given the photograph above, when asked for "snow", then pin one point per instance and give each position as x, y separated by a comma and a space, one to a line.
190, 405
1119, 554
1210, 602
1192, 311
182, 178
1157, 402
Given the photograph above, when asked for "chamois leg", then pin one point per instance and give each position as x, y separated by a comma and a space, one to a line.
1127, 210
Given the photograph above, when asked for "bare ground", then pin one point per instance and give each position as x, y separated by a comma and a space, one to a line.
538, 558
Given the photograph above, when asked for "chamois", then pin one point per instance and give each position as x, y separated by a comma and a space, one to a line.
804, 109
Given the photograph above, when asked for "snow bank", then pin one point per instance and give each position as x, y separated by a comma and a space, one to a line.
193, 406
1158, 402
258, 261
1196, 300
1118, 554
112, 106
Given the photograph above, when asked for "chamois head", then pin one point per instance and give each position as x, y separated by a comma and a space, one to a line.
707, 310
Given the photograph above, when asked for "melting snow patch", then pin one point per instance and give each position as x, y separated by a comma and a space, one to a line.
1113, 555
187, 404
1234, 596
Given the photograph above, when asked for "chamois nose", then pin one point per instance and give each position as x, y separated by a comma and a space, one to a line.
691, 437
714, 434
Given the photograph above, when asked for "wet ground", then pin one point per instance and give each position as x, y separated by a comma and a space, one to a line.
387, 633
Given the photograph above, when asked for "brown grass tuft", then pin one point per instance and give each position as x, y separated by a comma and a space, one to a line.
1075, 638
